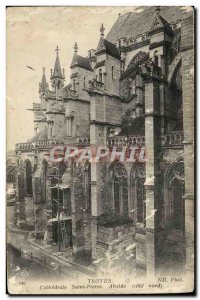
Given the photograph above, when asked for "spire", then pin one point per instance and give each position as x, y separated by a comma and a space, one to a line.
75, 47
43, 84
75, 56
102, 29
157, 10
101, 45
106, 46
57, 72
159, 22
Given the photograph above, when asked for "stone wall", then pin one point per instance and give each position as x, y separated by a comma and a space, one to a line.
112, 80
116, 249
187, 53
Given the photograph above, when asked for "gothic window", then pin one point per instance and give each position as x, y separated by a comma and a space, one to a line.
74, 85
174, 208
176, 102
137, 190
62, 168
156, 58
119, 188
51, 130
113, 73
133, 86
100, 75
177, 195
29, 190
84, 83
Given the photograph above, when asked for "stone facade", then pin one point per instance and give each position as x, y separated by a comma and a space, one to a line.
129, 92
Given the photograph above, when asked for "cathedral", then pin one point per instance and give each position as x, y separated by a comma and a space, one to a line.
135, 89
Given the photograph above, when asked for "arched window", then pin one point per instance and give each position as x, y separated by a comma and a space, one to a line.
29, 189
156, 58
175, 106
118, 188
137, 179
113, 73
100, 75
62, 168
50, 129
174, 202
74, 85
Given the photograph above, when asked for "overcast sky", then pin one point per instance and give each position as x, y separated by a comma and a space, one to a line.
32, 36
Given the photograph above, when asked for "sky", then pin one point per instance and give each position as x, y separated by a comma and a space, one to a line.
32, 36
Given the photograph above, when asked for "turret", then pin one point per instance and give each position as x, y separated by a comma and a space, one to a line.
81, 73
107, 68
161, 35
43, 87
57, 77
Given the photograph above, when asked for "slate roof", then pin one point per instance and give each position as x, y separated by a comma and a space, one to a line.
43, 85
41, 136
82, 62
133, 126
57, 72
108, 47
133, 23
100, 64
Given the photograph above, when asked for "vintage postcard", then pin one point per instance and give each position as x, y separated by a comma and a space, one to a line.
100, 150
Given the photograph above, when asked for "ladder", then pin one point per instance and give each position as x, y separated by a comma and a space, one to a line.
63, 233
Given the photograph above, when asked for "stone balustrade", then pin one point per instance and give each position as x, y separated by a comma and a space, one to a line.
71, 94
25, 146
127, 141
172, 139
83, 140
48, 144
142, 37
95, 85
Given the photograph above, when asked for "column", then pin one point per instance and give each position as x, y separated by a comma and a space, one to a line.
95, 189
153, 184
187, 53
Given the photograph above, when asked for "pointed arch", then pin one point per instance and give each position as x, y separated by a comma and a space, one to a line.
100, 75
176, 63
28, 177
118, 187
137, 192
175, 170
175, 97
174, 201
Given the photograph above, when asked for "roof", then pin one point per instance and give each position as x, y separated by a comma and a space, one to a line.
160, 22
41, 136
108, 47
100, 64
43, 85
57, 68
82, 62
133, 126
140, 21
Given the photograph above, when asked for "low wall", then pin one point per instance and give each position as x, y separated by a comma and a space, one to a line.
116, 249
